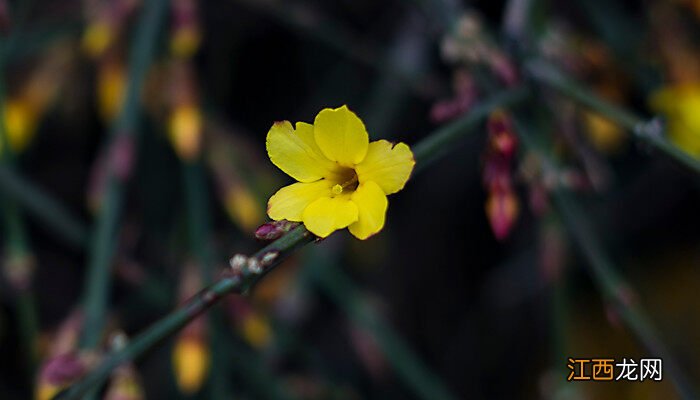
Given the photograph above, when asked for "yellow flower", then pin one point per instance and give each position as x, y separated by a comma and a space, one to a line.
681, 106
343, 178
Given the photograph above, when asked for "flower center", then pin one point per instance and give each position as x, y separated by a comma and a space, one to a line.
347, 182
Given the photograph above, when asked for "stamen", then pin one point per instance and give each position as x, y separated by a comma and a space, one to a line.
350, 182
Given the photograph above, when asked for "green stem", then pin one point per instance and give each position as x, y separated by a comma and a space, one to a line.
124, 128
242, 282
227, 283
18, 250
16, 243
197, 201
650, 132
42, 207
339, 287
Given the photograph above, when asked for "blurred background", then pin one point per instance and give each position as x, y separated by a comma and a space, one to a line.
134, 145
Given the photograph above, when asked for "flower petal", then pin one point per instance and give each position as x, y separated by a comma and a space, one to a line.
290, 201
327, 214
371, 205
296, 152
387, 165
341, 135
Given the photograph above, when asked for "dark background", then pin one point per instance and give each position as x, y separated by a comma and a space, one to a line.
478, 313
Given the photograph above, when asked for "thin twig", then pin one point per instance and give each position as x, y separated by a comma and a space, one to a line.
255, 267
43, 207
227, 283
124, 128
650, 132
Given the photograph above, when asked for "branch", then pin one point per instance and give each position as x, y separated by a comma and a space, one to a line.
649, 132
253, 268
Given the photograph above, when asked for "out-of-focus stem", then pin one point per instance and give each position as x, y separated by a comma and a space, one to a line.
408, 366
16, 243
197, 201
425, 152
17, 250
103, 243
612, 286
649, 132
43, 207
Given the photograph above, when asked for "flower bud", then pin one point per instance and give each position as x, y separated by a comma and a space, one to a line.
185, 41
60, 372
256, 329
190, 362
185, 131
274, 229
111, 87
502, 138
187, 34
97, 38
502, 210
18, 270
243, 207
191, 356
20, 123
125, 385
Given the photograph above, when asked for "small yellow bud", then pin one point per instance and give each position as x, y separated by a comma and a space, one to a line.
20, 123
185, 42
111, 84
190, 362
256, 330
46, 391
243, 208
125, 385
605, 135
97, 37
186, 131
